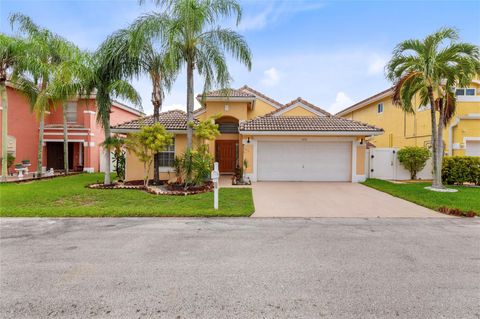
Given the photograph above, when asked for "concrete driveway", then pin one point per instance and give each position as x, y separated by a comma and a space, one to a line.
322, 199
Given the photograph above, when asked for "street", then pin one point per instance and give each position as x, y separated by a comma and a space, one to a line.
240, 268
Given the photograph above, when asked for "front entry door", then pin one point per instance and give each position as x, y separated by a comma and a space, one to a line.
226, 155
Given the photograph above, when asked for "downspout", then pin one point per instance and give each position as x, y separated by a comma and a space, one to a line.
450, 136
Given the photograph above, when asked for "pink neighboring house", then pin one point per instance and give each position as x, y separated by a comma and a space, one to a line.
84, 133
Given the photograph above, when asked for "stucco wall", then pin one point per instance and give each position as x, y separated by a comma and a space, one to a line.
360, 165
298, 111
403, 129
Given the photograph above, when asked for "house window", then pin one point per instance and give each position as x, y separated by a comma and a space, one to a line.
380, 108
71, 112
465, 91
166, 158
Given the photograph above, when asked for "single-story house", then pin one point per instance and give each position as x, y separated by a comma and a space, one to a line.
297, 141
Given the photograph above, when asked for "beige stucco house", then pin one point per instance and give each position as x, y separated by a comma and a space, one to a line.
297, 141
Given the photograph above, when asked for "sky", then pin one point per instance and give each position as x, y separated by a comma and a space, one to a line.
330, 53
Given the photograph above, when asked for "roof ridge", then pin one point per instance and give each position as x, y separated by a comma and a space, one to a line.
255, 92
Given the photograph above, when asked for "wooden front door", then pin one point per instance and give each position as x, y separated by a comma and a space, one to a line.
226, 155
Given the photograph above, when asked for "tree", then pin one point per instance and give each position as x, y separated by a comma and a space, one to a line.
431, 68
11, 52
33, 72
108, 73
413, 158
117, 144
66, 84
195, 41
149, 141
147, 57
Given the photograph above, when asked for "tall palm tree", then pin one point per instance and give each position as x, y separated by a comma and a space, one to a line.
34, 72
147, 57
195, 41
107, 78
431, 68
11, 52
66, 84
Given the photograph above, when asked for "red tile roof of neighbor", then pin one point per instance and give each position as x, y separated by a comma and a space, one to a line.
260, 94
227, 93
305, 124
172, 120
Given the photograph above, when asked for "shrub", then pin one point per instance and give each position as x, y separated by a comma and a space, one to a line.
461, 169
413, 158
194, 166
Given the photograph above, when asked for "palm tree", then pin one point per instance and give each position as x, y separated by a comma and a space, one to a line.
11, 51
66, 84
34, 72
108, 73
195, 41
145, 58
431, 68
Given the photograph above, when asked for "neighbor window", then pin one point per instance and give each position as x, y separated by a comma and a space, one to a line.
71, 112
465, 91
167, 157
380, 108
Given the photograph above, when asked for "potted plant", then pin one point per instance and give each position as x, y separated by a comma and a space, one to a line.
19, 166
26, 162
240, 178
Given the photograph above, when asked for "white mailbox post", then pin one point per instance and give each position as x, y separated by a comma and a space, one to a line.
215, 175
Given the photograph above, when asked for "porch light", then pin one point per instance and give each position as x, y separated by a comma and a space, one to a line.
361, 141
248, 140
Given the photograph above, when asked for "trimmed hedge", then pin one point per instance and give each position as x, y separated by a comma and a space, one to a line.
461, 169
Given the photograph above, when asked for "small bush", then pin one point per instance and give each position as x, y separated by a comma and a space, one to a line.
413, 158
461, 169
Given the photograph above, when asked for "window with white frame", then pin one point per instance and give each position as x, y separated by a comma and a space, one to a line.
465, 92
380, 108
167, 157
71, 112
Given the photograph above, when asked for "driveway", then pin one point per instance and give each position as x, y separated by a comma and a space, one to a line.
321, 199
239, 268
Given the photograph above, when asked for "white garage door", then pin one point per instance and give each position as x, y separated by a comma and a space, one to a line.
473, 148
304, 161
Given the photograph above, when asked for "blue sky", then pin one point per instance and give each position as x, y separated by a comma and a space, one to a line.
331, 53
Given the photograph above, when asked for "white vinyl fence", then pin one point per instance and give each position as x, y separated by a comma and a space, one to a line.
383, 163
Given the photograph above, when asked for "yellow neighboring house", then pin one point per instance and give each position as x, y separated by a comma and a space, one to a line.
296, 141
461, 135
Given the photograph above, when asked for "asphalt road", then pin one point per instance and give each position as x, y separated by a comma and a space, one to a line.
240, 268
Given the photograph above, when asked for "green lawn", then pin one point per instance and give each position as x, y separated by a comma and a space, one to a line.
466, 199
68, 196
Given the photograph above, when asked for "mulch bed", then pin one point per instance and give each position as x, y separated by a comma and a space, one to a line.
456, 212
164, 189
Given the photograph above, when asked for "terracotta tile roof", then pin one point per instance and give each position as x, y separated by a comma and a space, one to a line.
260, 94
172, 120
369, 99
227, 93
71, 126
305, 124
299, 100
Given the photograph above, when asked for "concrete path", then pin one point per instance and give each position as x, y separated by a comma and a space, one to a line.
320, 199
239, 268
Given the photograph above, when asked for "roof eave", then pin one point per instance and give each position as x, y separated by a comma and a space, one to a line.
319, 133
133, 130
365, 103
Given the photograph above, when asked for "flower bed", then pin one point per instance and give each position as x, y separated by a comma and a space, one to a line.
165, 189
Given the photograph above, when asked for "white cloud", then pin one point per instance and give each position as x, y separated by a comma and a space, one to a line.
271, 77
342, 100
275, 11
376, 64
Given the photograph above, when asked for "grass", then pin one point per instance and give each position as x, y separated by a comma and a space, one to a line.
466, 199
68, 197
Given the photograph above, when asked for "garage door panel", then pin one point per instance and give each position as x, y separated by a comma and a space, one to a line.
304, 161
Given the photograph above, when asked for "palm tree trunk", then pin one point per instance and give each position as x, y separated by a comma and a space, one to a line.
3, 93
106, 179
40, 143
190, 67
438, 177
65, 138
433, 120
157, 106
